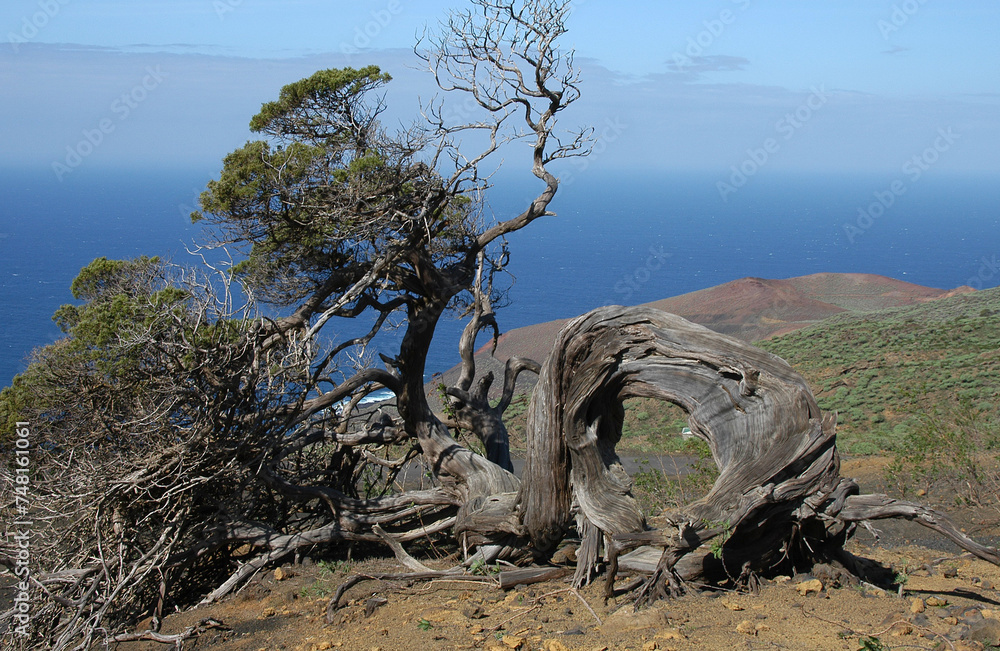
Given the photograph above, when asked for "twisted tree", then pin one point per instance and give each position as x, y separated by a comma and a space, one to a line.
199, 425
779, 503
196, 425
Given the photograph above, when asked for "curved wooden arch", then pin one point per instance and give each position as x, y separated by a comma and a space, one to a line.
779, 497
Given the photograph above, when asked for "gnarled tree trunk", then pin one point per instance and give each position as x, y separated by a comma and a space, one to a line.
779, 500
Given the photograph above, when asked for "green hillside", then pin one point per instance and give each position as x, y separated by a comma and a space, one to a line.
886, 372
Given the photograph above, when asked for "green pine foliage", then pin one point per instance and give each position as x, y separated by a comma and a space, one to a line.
327, 194
134, 332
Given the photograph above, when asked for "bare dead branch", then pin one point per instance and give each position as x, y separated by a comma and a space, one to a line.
399, 552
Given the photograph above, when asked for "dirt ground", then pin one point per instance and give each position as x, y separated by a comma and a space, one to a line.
947, 600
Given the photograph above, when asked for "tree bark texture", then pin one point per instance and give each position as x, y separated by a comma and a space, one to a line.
779, 499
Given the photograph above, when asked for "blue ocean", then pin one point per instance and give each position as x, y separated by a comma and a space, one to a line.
621, 238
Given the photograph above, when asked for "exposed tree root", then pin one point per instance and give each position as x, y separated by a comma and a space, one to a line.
176, 639
779, 500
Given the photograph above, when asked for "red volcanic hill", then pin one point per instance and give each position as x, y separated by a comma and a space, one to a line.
751, 309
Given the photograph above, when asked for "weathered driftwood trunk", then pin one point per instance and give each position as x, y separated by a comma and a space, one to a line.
778, 505
779, 500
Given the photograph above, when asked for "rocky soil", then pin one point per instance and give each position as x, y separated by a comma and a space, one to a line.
949, 605
939, 599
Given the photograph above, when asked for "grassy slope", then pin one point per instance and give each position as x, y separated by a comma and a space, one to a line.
884, 370
881, 372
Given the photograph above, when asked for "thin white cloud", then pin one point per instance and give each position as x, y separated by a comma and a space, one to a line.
200, 111
896, 49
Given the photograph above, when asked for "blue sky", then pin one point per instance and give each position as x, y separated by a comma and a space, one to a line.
825, 85
721, 87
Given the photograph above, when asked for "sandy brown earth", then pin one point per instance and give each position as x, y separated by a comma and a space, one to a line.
947, 601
